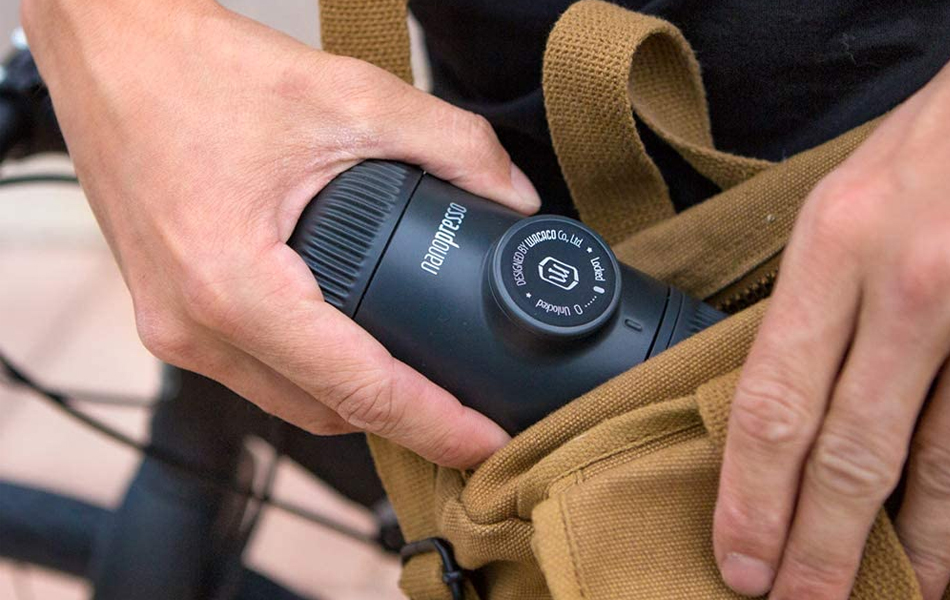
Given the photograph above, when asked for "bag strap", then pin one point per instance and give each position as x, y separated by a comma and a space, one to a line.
603, 66
412, 479
376, 31
717, 242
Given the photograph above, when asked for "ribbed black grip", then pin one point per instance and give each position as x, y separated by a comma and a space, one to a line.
694, 317
703, 317
343, 232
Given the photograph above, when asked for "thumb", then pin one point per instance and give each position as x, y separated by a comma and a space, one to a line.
456, 145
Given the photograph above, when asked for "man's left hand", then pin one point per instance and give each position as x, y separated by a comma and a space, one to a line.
848, 381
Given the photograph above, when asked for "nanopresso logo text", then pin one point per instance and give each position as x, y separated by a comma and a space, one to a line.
444, 239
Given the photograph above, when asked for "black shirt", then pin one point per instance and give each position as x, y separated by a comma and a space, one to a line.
781, 77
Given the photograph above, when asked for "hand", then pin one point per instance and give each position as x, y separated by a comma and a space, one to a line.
835, 392
199, 137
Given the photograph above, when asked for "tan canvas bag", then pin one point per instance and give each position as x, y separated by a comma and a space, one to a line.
612, 496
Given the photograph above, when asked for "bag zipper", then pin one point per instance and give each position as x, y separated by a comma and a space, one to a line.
756, 285
760, 289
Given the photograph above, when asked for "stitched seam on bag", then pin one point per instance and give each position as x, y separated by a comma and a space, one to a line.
645, 443
571, 548
637, 448
673, 439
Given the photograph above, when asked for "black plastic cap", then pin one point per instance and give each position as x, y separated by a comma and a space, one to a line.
343, 232
555, 277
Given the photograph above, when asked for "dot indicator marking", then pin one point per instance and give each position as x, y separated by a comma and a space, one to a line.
598, 289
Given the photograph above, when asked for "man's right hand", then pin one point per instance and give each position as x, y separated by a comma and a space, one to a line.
199, 137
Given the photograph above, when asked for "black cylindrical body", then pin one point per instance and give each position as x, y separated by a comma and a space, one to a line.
514, 316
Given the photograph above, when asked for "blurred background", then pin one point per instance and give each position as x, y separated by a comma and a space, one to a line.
66, 317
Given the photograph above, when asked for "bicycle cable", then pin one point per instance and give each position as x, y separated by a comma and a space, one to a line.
19, 378
38, 178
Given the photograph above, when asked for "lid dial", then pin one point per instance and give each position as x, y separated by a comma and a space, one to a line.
555, 277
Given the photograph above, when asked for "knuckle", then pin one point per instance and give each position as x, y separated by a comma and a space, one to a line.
358, 119
292, 81
354, 78
931, 464
849, 465
164, 338
840, 211
772, 411
923, 276
359, 76
748, 526
479, 127
366, 402
371, 101
480, 137
835, 208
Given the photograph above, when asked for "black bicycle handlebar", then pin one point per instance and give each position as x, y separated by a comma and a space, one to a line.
27, 121
11, 125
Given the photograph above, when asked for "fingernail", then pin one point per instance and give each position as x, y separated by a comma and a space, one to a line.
746, 575
522, 185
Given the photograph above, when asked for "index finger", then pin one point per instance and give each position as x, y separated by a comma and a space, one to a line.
288, 326
779, 403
